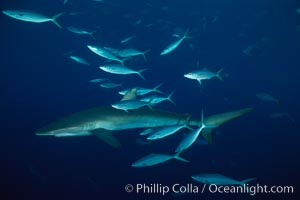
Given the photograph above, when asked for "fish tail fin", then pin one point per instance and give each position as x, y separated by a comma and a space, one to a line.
123, 61
150, 106
206, 132
92, 34
176, 156
187, 34
145, 53
155, 89
169, 98
243, 182
55, 17
199, 81
186, 123
218, 74
140, 73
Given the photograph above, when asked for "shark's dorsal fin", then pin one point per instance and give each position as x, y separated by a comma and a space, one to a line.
107, 137
130, 95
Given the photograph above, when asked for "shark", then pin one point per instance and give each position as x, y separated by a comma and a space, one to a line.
102, 121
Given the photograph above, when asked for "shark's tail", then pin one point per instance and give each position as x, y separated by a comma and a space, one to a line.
54, 19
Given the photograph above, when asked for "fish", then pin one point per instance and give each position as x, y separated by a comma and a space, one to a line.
154, 159
190, 138
127, 39
203, 74
98, 80
147, 131
121, 69
102, 121
158, 99
112, 50
298, 10
129, 52
142, 91
110, 85
266, 97
105, 54
34, 17
171, 47
219, 179
130, 104
81, 31
79, 60
168, 130
279, 115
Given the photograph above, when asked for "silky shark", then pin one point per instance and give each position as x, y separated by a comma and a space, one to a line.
102, 121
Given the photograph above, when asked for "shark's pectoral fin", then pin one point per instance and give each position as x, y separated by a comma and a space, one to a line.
208, 135
106, 136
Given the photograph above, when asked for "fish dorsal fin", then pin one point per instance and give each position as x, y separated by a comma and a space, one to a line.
130, 95
107, 137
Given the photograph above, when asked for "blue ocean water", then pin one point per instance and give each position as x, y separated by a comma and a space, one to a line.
256, 42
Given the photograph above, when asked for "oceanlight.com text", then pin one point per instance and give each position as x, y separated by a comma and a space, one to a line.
189, 188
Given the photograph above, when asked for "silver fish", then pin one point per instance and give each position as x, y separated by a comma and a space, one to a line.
158, 99
204, 74
219, 179
154, 159
142, 91
34, 17
110, 85
191, 137
105, 53
81, 31
120, 69
131, 105
79, 60
171, 47
129, 52
266, 97
168, 130
127, 39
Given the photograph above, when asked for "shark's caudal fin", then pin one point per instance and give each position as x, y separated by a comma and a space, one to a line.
217, 120
54, 19
107, 137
